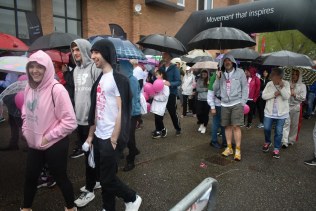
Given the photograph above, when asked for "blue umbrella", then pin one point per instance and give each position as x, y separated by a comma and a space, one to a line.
124, 48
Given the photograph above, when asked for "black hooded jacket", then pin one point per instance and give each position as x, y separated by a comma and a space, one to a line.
123, 86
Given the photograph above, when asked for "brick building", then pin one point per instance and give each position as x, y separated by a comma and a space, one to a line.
92, 17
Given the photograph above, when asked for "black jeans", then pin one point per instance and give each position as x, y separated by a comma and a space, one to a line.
203, 110
15, 125
185, 104
56, 159
261, 104
91, 173
106, 158
159, 123
252, 106
172, 109
192, 104
132, 149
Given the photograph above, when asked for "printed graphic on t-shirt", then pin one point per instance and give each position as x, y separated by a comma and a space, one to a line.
101, 101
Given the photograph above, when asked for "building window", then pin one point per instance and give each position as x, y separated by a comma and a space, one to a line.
205, 4
13, 18
67, 16
181, 3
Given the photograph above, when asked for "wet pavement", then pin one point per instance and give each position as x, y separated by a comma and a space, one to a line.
167, 169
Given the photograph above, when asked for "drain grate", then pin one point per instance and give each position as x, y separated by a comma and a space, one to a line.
219, 160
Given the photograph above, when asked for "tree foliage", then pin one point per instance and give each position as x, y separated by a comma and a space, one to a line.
291, 40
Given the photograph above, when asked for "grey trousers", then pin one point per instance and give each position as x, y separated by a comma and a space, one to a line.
290, 128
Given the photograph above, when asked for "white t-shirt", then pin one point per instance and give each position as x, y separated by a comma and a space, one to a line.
138, 73
106, 106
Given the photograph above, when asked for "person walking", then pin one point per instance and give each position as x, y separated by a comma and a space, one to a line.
277, 93
173, 81
126, 68
203, 108
310, 101
187, 89
298, 95
48, 117
261, 103
312, 162
231, 82
158, 107
109, 120
254, 93
213, 99
84, 75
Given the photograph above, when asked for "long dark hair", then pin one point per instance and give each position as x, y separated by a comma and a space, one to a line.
163, 73
205, 80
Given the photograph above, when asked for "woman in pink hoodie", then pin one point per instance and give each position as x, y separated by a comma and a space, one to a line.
48, 117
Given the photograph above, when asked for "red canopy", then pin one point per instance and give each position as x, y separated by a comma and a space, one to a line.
11, 43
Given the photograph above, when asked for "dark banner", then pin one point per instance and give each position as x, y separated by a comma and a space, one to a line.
34, 26
255, 17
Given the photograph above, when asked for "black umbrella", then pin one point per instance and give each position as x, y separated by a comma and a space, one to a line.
244, 54
221, 38
284, 58
163, 43
55, 40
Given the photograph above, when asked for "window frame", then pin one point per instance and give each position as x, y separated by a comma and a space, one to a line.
181, 4
204, 6
66, 18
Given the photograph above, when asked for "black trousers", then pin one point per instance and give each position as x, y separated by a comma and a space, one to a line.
192, 104
203, 109
56, 159
252, 106
172, 109
15, 125
131, 145
106, 158
261, 104
185, 104
91, 173
159, 123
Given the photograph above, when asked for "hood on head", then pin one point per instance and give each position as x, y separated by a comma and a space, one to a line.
107, 50
126, 68
231, 58
252, 71
84, 47
300, 77
43, 59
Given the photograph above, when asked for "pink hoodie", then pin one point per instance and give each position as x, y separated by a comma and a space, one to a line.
40, 117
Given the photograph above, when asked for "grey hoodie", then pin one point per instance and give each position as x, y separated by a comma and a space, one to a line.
85, 74
239, 85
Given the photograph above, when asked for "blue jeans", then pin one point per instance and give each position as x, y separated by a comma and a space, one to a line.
310, 103
216, 124
278, 132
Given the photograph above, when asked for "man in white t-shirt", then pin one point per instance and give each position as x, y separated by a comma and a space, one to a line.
110, 121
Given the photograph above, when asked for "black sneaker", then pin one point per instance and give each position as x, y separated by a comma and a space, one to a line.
164, 133
248, 126
285, 146
178, 132
215, 145
311, 162
129, 167
266, 146
276, 153
156, 135
77, 153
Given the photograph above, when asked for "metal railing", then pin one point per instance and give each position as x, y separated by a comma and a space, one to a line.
204, 195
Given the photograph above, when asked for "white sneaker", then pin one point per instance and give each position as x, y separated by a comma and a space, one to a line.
84, 199
201, 127
133, 206
203, 130
97, 186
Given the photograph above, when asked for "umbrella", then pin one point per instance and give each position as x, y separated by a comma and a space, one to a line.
11, 43
148, 51
244, 54
163, 43
13, 64
197, 55
205, 65
58, 56
55, 40
308, 75
284, 58
221, 38
124, 48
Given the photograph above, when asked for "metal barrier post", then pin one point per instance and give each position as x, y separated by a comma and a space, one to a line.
197, 193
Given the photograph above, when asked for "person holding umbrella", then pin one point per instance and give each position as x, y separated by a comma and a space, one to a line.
232, 84
174, 80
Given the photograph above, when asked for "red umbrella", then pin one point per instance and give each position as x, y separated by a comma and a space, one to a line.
11, 43
58, 56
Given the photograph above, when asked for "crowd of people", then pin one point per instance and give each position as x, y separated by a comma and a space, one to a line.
107, 122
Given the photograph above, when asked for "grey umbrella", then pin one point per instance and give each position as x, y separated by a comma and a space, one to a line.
284, 58
221, 38
163, 43
244, 54
55, 40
